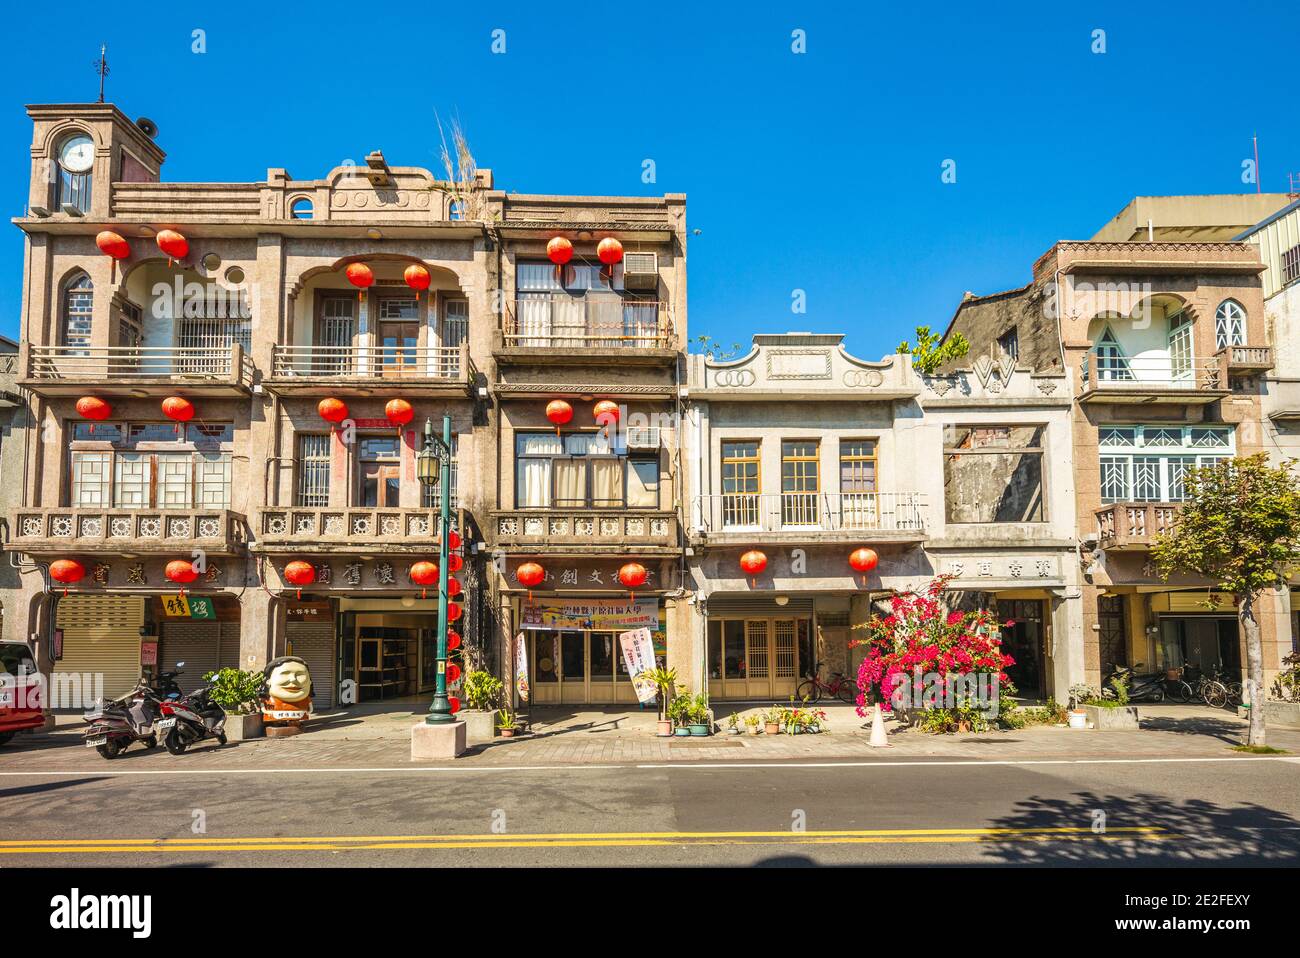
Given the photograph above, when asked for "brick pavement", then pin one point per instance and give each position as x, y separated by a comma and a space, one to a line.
381, 740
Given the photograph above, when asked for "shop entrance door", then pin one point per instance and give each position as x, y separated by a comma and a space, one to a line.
1023, 641
755, 658
578, 668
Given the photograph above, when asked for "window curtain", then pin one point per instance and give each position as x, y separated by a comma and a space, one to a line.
534, 474
606, 482
570, 476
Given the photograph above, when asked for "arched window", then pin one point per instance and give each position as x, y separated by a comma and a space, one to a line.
78, 301
301, 209
1229, 324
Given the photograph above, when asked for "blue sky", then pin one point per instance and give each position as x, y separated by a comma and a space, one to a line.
818, 171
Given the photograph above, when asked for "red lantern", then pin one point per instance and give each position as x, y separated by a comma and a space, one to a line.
424, 574
417, 277
455, 563
453, 640
559, 412
530, 574
182, 572
332, 410
67, 571
178, 409
453, 672
606, 413
454, 587
753, 562
94, 409
361, 276
609, 251
454, 611
632, 575
453, 539
112, 244
454, 703
559, 251
299, 574
399, 412
863, 560
173, 244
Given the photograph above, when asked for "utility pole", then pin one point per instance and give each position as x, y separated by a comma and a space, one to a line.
436, 454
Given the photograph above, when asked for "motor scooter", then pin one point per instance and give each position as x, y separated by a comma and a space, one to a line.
190, 719
116, 724
1142, 686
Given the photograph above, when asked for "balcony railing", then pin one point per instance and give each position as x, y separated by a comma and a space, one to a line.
560, 321
74, 529
405, 363
348, 528
140, 364
1147, 374
1134, 525
1246, 359
804, 512
587, 528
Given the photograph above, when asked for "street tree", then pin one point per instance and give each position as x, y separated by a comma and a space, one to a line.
1240, 526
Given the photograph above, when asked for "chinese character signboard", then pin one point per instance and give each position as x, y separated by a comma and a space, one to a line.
188, 607
602, 615
639, 656
521, 667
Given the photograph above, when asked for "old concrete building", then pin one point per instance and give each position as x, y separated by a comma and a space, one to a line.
803, 453
1165, 347
363, 286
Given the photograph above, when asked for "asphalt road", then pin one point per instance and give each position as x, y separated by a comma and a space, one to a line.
1176, 813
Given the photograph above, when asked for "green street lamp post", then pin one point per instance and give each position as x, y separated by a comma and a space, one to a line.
433, 467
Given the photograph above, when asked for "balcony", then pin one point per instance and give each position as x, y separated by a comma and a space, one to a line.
81, 530
811, 516
1134, 525
1153, 379
351, 530
366, 370
582, 531
554, 328
1245, 360
139, 370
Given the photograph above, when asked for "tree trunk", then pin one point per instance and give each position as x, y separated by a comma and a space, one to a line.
1254, 669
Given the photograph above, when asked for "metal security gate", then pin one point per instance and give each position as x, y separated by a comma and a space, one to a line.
313, 642
101, 636
203, 646
1112, 633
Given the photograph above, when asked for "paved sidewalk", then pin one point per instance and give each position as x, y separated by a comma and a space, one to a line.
381, 739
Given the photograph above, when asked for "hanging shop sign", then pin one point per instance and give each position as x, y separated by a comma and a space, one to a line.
308, 611
188, 607
639, 657
602, 615
521, 667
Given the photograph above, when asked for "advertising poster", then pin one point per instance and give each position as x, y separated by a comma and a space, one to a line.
639, 657
601, 615
521, 667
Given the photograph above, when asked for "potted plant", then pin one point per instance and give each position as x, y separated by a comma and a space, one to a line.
483, 693
238, 693
772, 721
733, 723
665, 682
699, 715
752, 723
508, 723
679, 714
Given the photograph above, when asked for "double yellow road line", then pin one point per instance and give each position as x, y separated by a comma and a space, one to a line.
343, 843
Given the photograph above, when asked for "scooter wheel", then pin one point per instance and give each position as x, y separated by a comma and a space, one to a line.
109, 749
174, 743
221, 739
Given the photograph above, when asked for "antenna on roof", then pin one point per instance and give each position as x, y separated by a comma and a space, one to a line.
101, 67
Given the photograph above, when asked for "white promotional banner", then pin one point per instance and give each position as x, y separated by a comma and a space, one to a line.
639, 657
521, 667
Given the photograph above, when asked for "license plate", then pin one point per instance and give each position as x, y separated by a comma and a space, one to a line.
97, 740
167, 723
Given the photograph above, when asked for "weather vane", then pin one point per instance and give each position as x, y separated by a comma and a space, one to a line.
101, 67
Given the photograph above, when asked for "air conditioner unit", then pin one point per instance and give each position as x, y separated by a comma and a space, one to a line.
643, 437
641, 270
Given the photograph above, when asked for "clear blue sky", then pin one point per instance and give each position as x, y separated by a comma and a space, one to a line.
818, 171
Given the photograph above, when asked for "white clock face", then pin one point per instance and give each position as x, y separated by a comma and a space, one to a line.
77, 155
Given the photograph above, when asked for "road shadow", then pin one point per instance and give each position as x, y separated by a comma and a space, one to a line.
1233, 733
37, 789
1191, 832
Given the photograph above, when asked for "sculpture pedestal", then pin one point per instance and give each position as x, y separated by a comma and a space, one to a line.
435, 743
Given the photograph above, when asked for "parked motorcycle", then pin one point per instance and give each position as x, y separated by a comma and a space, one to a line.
116, 724
1142, 686
191, 718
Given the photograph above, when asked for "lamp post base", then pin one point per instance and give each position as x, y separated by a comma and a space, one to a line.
440, 711
433, 743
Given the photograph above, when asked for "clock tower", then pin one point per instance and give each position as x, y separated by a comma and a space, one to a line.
79, 151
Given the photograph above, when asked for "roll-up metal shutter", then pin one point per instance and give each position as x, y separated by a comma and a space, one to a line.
761, 604
313, 642
101, 636
197, 644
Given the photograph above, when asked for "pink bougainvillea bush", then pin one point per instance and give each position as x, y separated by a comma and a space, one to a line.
944, 664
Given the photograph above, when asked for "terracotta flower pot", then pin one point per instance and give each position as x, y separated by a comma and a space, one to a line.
665, 728
772, 728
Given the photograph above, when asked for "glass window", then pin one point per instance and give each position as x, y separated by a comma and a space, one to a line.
741, 477
313, 485
993, 473
643, 484
78, 303
91, 479
857, 465
379, 479
800, 482
131, 480
1159, 474
1229, 324
578, 470
604, 651
726, 649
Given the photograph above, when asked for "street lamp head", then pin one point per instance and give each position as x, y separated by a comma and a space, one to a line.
426, 461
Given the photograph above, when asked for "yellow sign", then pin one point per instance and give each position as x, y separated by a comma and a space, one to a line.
176, 605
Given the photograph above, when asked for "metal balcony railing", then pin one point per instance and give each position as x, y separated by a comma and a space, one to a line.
451, 363
560, 321
1134, 374
106, 363
811, 512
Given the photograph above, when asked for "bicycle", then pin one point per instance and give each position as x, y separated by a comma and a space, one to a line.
1211, 691
1177, 688
840, 686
